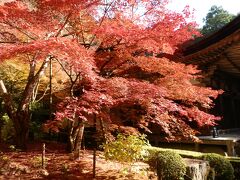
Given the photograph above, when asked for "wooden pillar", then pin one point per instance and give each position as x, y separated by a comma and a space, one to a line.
230, 148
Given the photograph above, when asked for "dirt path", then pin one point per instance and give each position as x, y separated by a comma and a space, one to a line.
60, 165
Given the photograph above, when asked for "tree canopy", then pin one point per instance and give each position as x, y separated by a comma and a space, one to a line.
110, 49
215, 19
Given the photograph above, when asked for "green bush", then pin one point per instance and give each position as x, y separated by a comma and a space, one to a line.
35, 130
211, 174
236, 167
37, 161
126, 148
7, 130
222, 166
235, 161
4, 161
170, 166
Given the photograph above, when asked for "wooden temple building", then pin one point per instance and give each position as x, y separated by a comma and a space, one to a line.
218, 56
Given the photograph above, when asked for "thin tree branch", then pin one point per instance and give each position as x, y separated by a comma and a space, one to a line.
64, 69
103, 17
7, 98
27, 94
44, 93
35, 90
8, 42
82, 32
20, 30
64, 24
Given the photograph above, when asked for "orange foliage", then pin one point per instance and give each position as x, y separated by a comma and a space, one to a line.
114, 45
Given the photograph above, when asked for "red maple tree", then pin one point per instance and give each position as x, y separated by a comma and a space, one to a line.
114, 48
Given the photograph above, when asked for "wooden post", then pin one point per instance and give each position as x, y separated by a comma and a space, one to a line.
95, 144
94, 162
43, 156
50, 89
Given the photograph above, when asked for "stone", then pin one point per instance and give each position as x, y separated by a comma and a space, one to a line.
196, 169
43, 172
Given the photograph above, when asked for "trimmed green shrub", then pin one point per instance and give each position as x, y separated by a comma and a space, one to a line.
126, 148
222, 166
235, 161
170, 166
182, 153
211, 174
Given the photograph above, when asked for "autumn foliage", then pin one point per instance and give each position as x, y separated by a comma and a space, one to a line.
115, 46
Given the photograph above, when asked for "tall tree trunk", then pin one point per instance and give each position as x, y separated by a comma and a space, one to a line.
22, 120
22, 132
70, 138
21, 116
79, 138
75, 136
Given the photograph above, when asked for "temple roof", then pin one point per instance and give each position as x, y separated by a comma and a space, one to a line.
220, 49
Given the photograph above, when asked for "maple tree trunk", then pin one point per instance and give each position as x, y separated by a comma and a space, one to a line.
75, 136
21, 116
78, 141
21, 125
103, 130
79, 137
20, 121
